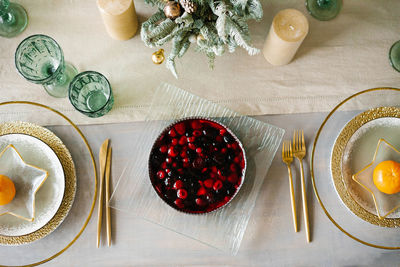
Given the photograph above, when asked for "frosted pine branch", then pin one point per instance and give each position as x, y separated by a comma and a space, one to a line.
215, 25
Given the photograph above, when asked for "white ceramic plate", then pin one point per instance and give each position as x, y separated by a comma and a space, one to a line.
359, 152
50, 194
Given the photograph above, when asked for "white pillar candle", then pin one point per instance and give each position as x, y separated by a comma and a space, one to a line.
119, 17
287, 32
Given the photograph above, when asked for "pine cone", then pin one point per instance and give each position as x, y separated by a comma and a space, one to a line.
188, 5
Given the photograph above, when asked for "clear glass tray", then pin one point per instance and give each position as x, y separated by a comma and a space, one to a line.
224, 228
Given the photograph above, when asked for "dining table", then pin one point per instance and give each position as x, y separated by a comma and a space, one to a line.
337, 59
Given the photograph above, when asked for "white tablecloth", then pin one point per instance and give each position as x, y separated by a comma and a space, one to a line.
268, 241
338, 58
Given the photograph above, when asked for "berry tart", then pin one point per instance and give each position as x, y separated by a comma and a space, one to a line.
197, 165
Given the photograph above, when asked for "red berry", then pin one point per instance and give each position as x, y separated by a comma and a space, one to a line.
222, 131
167, 171
234, 146
219, 173
163, 149
172, 152
178, 184
229, 145
184, 154
199, 150
203, 170
226, 199
172, 133
164, 165
223, 151
192, 146
174, 164
196, 125
180, 171
183, 140
212, 175
190, 139
208, 183
168, 160
185, 160
233, 167
242, 164
217, 185
174, 141
196, 133
236, 160
214, 169
179, 203
180, 128
182, 193
161, 174
201, 191
200, 202
233, 178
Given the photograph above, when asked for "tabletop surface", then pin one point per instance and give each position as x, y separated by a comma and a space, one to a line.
269, 238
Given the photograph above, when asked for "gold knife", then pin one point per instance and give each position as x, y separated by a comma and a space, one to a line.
108, 215
102, 158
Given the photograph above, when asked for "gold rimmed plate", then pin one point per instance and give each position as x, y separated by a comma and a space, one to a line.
332, 143
69, 222
53, 201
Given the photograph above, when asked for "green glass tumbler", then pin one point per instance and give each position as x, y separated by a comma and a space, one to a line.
324, 9
13, 19
90, 93
40, 59
394, 56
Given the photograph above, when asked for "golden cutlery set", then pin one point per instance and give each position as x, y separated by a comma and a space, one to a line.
297, 150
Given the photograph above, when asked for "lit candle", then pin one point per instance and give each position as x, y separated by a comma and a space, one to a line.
287, 32
119, 17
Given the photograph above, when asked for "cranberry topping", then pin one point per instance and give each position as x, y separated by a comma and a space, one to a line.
196, 165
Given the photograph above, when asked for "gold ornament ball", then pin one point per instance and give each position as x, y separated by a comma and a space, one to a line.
172, 10
158, 57
200, 37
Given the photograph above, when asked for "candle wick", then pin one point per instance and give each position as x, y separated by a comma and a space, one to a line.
291, 27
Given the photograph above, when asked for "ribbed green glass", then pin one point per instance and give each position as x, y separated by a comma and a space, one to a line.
13, 19
40, 59
394, 56
324, 9
90, 93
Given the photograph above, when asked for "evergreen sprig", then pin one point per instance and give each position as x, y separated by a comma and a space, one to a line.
215, 26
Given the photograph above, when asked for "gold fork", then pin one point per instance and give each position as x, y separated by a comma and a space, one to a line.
287, 157
299, 151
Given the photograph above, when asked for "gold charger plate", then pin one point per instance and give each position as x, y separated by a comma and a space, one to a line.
321, 175
343, 183
53, 245
68, 166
